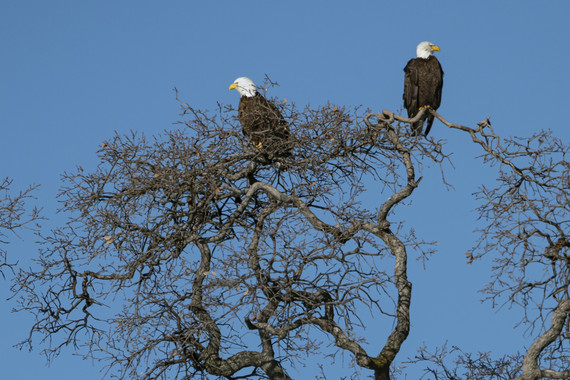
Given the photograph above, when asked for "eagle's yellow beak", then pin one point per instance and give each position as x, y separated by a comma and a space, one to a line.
435, 48
233, 85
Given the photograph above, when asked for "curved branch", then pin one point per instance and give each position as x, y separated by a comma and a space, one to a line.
531, 369
488, 137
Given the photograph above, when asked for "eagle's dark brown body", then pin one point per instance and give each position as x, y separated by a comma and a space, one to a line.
423, 83
264, 124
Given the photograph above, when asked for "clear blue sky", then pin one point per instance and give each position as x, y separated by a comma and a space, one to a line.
75, 72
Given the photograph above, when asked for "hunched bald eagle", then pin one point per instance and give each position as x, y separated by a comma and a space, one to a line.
261, 120
422, 85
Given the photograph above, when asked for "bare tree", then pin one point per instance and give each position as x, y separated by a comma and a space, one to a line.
175, 264
527, 233
14, 216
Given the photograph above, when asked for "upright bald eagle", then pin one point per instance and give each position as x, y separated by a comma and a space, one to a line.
422, 85
261, 120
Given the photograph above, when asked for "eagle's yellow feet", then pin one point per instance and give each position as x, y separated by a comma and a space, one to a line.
259, 145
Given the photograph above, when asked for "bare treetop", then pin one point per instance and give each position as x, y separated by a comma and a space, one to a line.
195, 252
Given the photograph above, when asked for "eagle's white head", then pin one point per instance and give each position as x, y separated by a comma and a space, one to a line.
244, 86
425, 49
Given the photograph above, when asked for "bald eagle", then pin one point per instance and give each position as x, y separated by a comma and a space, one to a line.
261, 120
422, 85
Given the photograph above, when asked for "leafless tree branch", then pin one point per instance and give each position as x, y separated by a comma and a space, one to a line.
14, 216
174, 263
